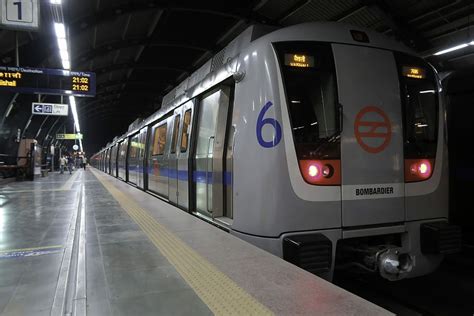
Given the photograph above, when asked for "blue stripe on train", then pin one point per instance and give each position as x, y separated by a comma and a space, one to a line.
198, 176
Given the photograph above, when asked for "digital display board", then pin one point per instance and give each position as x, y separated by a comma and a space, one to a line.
414, 72
299, 60
47, 81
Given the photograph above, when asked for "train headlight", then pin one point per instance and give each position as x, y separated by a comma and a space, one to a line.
418, 170
423, 168
321, 172
313, 171
328, 171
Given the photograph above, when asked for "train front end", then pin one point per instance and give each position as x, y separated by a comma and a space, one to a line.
363, 130
371, 121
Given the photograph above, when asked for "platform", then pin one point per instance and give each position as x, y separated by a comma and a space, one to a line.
90, 244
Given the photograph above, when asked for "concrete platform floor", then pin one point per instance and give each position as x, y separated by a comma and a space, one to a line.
126, 275
71, 244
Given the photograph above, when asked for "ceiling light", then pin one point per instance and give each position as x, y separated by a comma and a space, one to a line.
60, 30
64, 54
444, 51
66, 64
55, 1
72, 102
62, 44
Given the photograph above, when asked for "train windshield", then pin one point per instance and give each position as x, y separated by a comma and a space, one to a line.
419, 96
310, 84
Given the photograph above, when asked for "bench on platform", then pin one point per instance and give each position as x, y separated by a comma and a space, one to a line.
7, 171
9, 167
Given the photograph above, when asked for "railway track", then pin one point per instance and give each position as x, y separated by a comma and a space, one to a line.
448, 291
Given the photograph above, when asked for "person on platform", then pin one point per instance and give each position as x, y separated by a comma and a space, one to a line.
62, 164
84, 162
70, 163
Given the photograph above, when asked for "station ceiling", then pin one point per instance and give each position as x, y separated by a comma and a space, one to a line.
141, 49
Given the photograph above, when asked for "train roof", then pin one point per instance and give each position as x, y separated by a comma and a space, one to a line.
220, 66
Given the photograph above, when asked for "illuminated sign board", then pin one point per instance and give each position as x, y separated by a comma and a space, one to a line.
20, 14
69, 136
414, 72
41, 108
299, 60
47, 81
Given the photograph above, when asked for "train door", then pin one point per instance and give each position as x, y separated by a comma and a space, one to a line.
141, 157
122, 159
209, 153
173, 159
106, 161
113, 160
133, 165
158, 158
183, 155
372, 139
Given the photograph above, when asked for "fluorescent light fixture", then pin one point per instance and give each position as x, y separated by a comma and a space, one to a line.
55, 1
62, 44
66, 64
426, 91
80, 145
60, 30
64, 54
72, 102
447, 50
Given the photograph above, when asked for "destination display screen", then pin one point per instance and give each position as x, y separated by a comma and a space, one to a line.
47, 81
299, 60
414, 72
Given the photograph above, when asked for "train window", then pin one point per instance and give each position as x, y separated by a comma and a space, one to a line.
123, 151
419, 96
175, 133
159, 139
312, 99
134, 146
185, 132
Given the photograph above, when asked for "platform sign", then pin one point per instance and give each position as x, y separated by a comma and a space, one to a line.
47, 81
58, 109
20, 14
69, 136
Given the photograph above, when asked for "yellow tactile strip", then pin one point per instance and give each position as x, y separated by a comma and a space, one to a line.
222, 295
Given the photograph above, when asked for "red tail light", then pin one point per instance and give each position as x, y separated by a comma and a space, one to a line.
321, 172
418, 169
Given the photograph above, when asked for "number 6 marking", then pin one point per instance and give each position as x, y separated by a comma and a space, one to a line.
261, 122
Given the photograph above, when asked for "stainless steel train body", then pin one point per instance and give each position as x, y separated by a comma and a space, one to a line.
321, 143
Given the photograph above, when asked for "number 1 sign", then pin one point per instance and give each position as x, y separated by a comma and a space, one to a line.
20, 14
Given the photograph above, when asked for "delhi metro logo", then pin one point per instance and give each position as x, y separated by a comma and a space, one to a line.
372, 129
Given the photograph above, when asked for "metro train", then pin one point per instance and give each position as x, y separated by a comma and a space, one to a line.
322, 143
